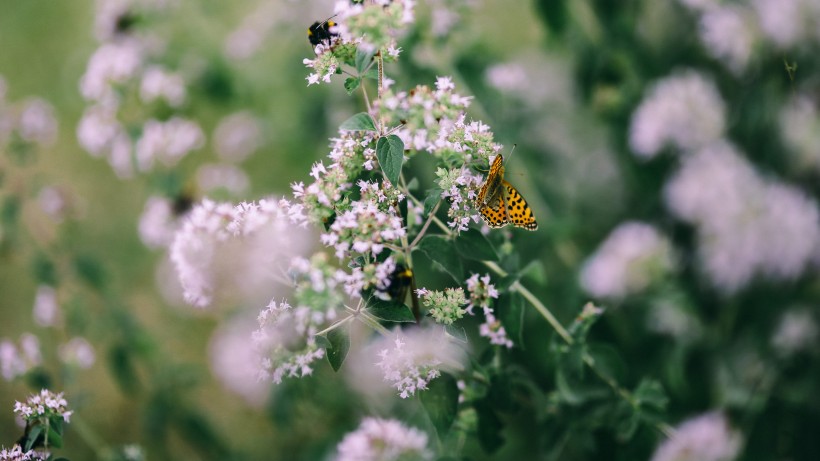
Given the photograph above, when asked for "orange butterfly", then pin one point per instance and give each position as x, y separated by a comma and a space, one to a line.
500, 203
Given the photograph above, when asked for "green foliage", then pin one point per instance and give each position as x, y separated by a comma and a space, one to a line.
390, 152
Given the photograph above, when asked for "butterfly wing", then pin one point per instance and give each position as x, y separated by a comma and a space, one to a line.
520, 214
494, 213
490, 186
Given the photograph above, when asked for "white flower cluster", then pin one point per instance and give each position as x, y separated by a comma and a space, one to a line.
800, 127
684, 111
77, 352
167, 142
44, 404
222, 250
460, 188
729, 31
16, 453
316, 202
32, 120
423, 113
789, 23
379, 439
365, 228
416, 357
46, 310
237, 136
158, 222
482, 292
704, 438
444, 306
746, 225
121, 66
14, 362
796, 331
633, 256
374, 24
286, 340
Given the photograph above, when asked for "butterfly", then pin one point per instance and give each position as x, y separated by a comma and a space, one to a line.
500, 203
320, 32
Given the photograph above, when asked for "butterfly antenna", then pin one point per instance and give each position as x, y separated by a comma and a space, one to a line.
511, 152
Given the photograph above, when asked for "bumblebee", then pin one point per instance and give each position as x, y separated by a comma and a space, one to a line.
320, 32
400, 281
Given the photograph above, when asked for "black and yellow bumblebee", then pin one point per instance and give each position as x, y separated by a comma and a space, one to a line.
400, 281
320, 32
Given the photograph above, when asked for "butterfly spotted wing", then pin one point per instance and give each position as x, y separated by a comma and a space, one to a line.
499, 203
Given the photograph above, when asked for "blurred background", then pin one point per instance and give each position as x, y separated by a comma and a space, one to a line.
670, 150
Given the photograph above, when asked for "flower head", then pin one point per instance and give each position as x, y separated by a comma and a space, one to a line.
412, 359
43, 405
379, 439
704, 438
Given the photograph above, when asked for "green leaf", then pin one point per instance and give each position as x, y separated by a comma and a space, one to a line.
440, 400
359, 122
433, 197
650, 394
372, 74
511, 316
444, 255
390, 311
54, 438
336, 343
363, 59
472, 244
352, 83
390, 151
32, 436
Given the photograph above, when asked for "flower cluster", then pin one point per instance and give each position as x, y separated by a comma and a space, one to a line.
222, 250
286, 340
365, 228
375, 23
746, 224
424, 112
16, 453
460, 188
705, 438
315, 203
126, 67
14, 362
25, 123
43, 405
796, 331
800, 126
633, 256
683, 110
416, 357
728, 32
445, 306
482, 292
379, 439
